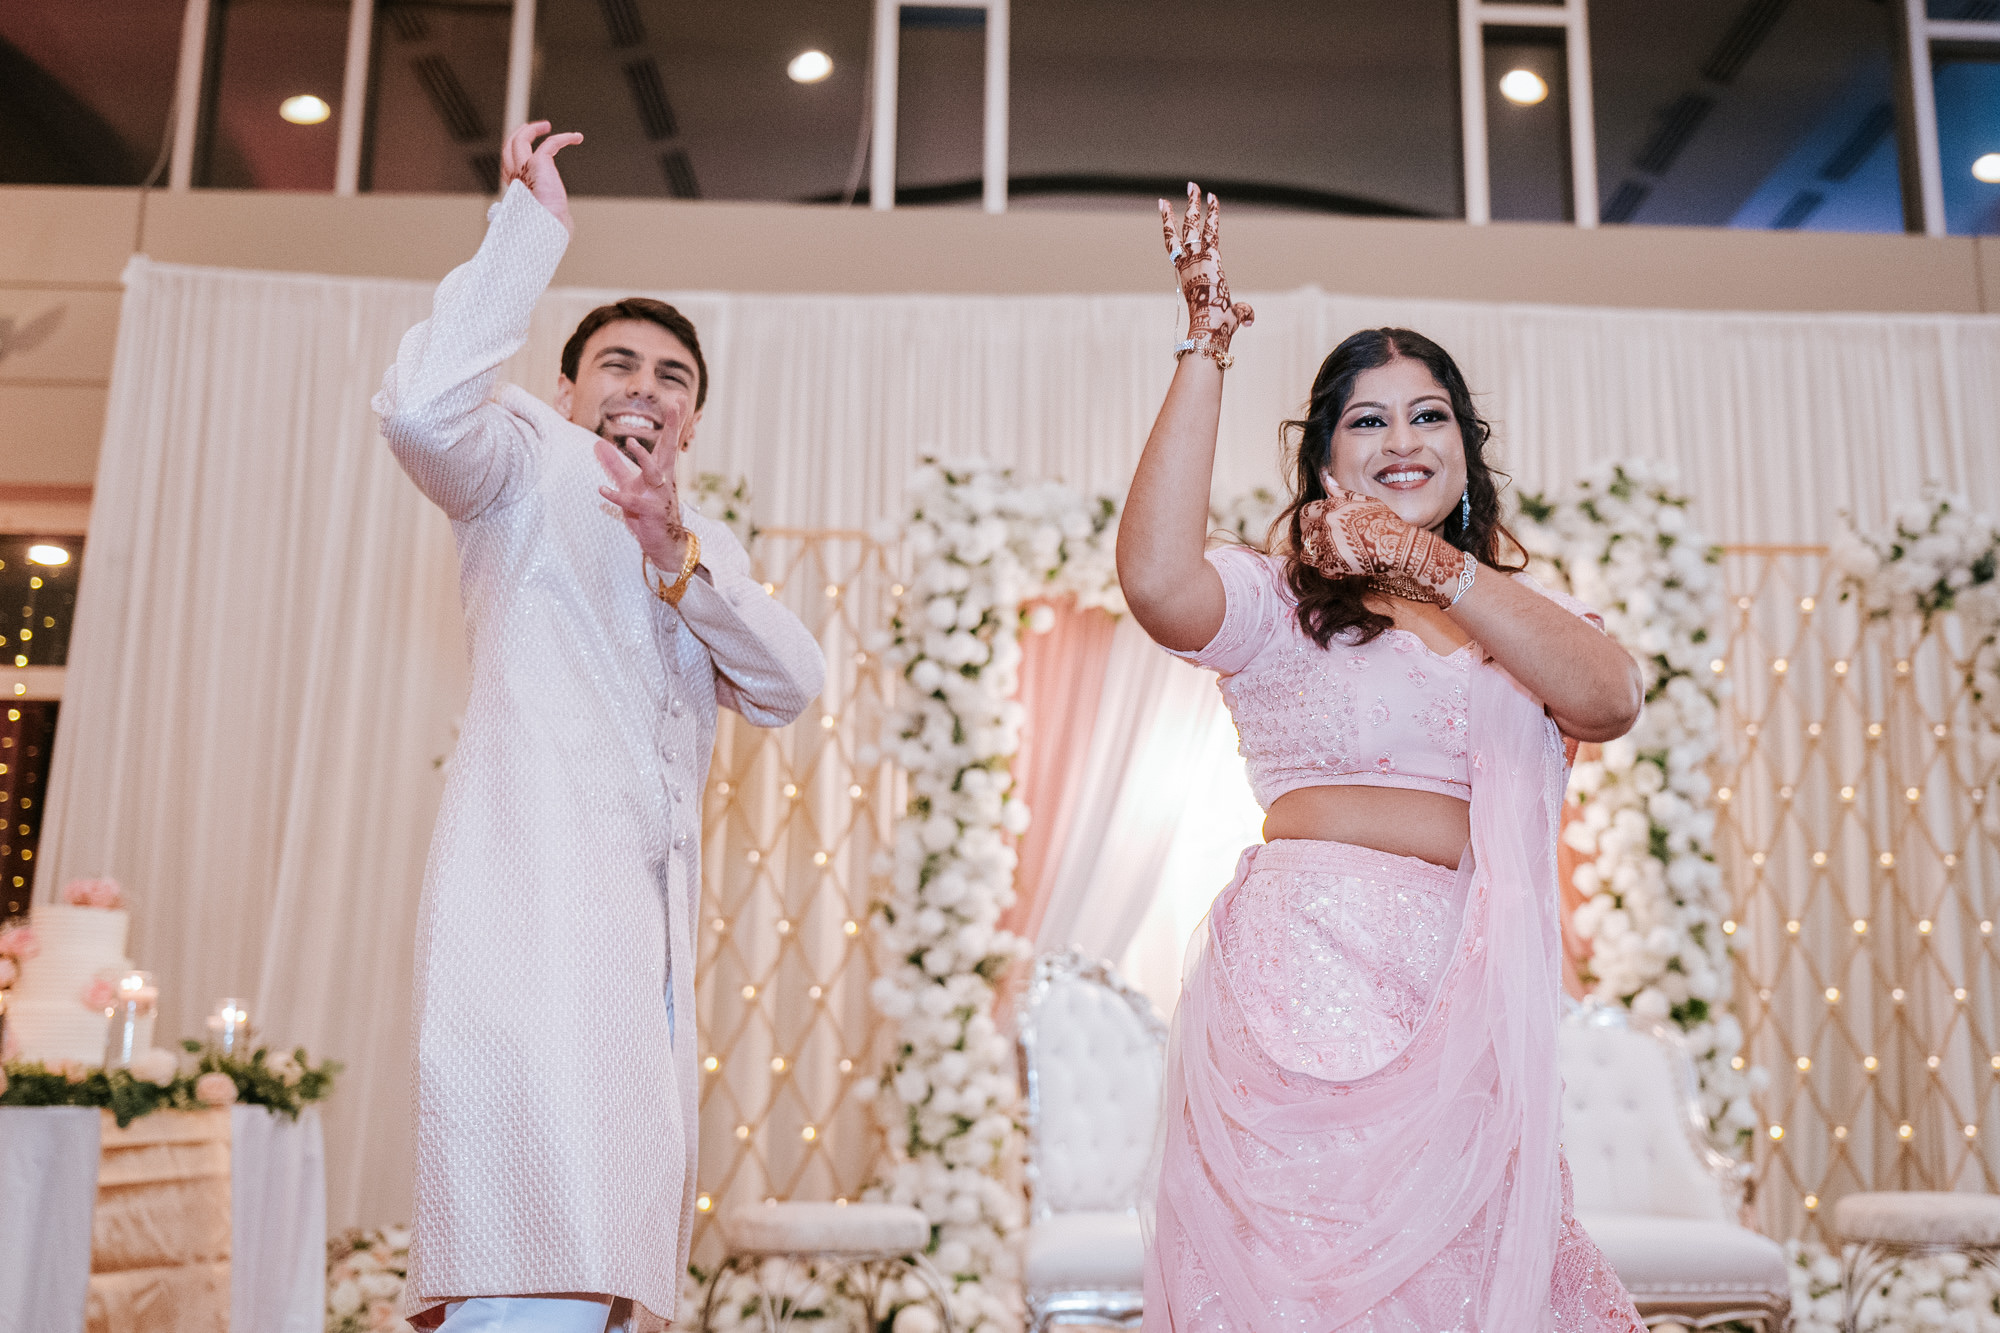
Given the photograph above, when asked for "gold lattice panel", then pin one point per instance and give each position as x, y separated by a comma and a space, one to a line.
793, 819
1854, 841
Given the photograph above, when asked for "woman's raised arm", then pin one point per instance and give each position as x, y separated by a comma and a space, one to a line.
1175, 595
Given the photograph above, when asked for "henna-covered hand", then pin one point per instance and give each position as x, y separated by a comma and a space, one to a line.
1353, 536
644, 489
1212, 317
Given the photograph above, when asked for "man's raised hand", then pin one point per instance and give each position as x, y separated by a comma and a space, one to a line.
643, 488
535, 167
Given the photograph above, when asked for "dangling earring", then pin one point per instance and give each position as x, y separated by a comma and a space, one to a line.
1465, 512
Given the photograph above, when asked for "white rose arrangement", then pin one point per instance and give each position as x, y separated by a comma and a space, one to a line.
1938, 556
1249, 516
983, 547
1945, 1293
365, 1271
1620, 540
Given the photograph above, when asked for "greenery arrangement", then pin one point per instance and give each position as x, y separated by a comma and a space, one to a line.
284, 1083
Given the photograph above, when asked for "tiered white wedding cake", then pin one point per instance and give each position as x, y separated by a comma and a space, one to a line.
47, 1014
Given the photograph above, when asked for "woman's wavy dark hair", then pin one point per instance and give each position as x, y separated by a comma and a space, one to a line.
1328, 606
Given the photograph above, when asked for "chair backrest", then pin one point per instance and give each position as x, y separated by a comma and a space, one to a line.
1093, 1052
1629, 1122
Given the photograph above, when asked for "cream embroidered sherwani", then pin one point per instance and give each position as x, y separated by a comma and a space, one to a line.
556, 1121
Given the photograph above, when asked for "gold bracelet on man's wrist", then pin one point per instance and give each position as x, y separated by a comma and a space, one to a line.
671, 593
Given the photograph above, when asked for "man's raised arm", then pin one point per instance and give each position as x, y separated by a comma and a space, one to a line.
768, 666
463, 450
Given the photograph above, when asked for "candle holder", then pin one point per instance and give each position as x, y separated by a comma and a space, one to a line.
229, 1029
135, 1001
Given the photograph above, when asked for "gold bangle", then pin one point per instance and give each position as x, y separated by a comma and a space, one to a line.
672, 595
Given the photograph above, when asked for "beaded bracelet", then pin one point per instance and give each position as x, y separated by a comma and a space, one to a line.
1223, 360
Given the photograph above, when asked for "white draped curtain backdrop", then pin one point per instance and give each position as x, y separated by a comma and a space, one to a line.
267, 658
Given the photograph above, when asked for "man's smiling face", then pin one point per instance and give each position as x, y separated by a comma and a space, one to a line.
634, 381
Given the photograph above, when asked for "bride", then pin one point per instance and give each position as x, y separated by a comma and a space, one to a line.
1362, 1118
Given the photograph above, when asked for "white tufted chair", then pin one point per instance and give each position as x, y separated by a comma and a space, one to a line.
1093, 1053
1658, 1200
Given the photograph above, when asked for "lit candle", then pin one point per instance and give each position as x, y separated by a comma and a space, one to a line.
229, 1029
134, 1003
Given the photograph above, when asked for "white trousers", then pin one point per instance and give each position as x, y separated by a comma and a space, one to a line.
532, 1314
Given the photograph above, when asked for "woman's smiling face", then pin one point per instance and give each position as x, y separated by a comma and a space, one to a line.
1398, 441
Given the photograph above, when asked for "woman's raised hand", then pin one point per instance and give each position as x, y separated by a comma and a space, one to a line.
1355, 536
535, 167
1212, 318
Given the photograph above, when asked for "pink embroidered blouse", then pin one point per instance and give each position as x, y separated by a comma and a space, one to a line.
1391, 713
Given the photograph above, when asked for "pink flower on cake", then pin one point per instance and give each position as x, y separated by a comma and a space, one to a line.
99, 994
9, 972
19, 942
103, 893
215, 1089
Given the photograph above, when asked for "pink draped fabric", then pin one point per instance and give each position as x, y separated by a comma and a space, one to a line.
1426, 1192
1062, 680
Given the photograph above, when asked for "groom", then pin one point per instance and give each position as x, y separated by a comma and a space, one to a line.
555, 1035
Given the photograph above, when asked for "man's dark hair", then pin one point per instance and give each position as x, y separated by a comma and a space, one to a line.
653, 312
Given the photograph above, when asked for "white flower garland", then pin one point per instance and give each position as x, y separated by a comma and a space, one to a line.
982, 545
1944, 1293
1940, 555
1653, 906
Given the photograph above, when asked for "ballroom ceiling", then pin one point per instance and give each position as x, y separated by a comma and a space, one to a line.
1704, 108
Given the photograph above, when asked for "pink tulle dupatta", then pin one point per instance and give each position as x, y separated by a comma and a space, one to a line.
1306, 1203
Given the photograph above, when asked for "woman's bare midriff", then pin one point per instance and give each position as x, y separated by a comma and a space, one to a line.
1424, 824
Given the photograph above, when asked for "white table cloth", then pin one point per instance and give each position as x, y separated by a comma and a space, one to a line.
48, 1189
277, 1199
49, 1158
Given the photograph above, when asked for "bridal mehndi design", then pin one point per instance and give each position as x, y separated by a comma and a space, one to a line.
1212, 317
1353, 535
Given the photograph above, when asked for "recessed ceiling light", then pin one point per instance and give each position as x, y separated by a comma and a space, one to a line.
810, 66
48, 555
1523, 87
305, 109
1987, 168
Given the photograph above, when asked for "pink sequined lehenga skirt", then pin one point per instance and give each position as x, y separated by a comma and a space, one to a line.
1335, 1155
